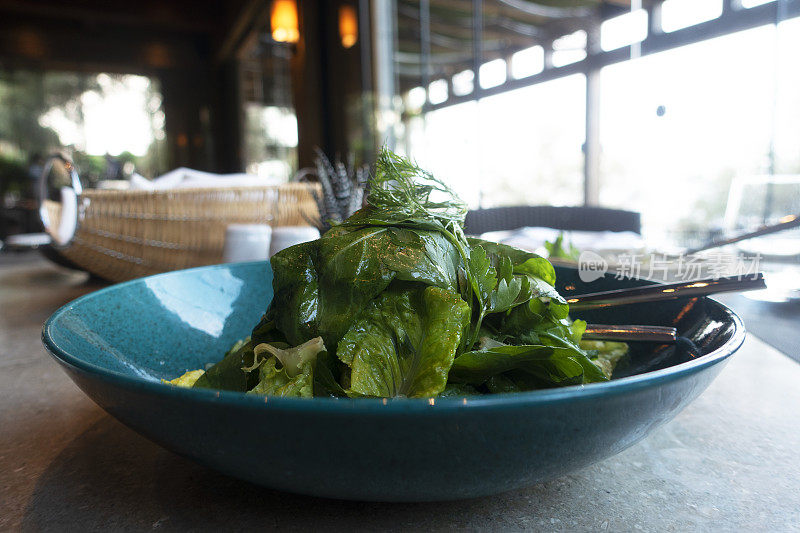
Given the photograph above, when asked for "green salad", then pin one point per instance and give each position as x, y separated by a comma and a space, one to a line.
397, 302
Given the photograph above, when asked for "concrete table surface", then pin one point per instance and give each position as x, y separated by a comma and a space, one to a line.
730, 461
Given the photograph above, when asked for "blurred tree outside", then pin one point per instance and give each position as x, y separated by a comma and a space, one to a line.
42, 113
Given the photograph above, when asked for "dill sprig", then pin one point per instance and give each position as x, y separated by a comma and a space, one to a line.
402, 190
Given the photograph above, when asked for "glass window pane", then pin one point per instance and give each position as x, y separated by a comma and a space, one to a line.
530, 144
415, 99
753, 3
493, 73
569, 49
447, 145
679, 14
437, 91
527, 62
463, 83
676, 127
270, 123
787, 98
79, 114
623, 30
517, 147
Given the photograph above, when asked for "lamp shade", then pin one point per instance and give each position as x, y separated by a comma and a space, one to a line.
283, 20
348, 25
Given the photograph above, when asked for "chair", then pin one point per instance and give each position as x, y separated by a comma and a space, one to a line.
546, 216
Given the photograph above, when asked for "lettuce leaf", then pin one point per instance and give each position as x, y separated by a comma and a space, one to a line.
321, 285
296, 294
605, 354
477, 366
293, 358
554, 366
351, 272
423, 256
186, 380
524, 262
228, 374
274, 381
404, 341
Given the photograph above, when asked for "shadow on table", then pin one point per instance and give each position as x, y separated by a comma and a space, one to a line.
36, 291
46, 275
111, 478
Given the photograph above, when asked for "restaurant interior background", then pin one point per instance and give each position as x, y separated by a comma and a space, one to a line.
657, 107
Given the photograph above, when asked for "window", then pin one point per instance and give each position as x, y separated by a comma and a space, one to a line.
270, 122
437, 91
109, 124
787, 98
527, 62
676, 127
569, 49
446, 143
679, 14
415, 99
493, 73
530, 144
754, 3
463, 83
624, 30
270, 140
516, 147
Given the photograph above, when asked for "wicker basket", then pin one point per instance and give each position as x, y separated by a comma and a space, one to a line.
122, 235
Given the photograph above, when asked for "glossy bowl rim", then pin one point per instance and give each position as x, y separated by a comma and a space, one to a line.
373, 405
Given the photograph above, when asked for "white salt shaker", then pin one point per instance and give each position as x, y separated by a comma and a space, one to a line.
246, 242
286, 236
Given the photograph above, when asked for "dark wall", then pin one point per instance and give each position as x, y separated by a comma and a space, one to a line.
328, 84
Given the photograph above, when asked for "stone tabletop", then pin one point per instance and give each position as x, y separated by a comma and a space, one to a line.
730, 461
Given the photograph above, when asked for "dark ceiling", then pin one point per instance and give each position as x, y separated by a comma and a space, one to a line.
122, 36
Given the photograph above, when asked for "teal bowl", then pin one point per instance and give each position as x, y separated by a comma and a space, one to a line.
119, 342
